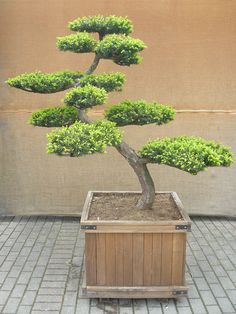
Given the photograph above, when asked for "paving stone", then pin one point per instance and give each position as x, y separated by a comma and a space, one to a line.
24, 278
213, 309
51, 291
186, 310
225, 305
3, 297
47, 306
28, 298
67, 310
208, 298
24, 309
226, 283
8, 284
197, 306
11, 305
232, 295
153, 310
82, 306
18, 291
34, 283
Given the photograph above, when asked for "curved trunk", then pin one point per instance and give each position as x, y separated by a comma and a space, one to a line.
138, 164
140, 168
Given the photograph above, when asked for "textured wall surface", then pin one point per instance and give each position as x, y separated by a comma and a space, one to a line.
190, 63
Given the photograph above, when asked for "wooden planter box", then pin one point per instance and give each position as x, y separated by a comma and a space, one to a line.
134, 259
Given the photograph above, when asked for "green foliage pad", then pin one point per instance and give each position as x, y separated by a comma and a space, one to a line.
108, 81
123, 50
83, 139
54, 117
80, 43
39, 82
188, 153
102, 24
85, 97
139, 113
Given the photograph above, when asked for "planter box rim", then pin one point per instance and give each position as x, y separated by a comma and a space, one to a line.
185, 222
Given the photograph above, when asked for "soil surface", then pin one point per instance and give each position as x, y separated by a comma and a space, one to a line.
121, 206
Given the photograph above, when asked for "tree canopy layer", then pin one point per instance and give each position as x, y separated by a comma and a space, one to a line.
109, 81
102, 24
188, 153
80, 43
139, 112
40, 82
83, 139
54, 117
85, 97
123, 50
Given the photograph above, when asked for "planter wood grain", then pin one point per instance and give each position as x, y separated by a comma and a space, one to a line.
134, 259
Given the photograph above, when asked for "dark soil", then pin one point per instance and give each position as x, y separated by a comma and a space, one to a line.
121, 206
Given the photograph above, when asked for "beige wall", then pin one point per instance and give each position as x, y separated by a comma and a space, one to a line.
190, 63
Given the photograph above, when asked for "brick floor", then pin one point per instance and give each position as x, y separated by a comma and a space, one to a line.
41, 260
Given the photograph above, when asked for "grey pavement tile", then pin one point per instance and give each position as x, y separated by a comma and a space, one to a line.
46, 306
208, 298
24, 277
217, 290
185, 310
11, 305
96, 310
51, 291
53, 284
24, 309
49, 298
225, 305
197, 306
213, 309
169, 307
28, 298
43, 311
201, 284
153, 310
3, 275
67, 310
34, 283
4, 296
82, 306
210, 277
232, 296
18, 291
8, 284
70, 298
226, 283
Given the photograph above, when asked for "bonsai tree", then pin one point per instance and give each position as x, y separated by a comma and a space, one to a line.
78, 135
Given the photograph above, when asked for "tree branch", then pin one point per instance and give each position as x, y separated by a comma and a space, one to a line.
94, 65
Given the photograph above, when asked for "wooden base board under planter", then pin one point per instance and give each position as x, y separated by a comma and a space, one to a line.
134, 259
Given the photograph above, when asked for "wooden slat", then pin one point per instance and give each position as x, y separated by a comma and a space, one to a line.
178, 258
91, 257
137, 259
111, 259
166, 260
156, 262
128, 259
119, 259
101, 259
148, 259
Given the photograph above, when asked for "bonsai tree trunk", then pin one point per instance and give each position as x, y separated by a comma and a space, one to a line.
140, 168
